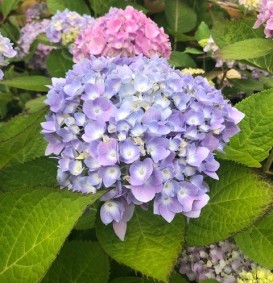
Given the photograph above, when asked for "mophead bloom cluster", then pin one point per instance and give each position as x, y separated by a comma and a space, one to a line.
265, 17
65, 26
140, 129
36, 12
6, 51
122, 32
222, 261
28, 34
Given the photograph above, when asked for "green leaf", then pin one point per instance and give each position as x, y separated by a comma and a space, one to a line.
268, 82
160, 20
72, 5
87, 220
236, 201
5, 98
253, 143
257, 241
181, 59
45, 174
35, 83
8, 5
132, 280
57, 65
192, 50
180, 17
124, 4
177, 278
203, 32
33, 226
21, 140
150, 242
225, 32
228, 32
35, 104
209, 281
42, 38
181, 37
79, 262
246, 85
265, 62
244, 49
100, 7
8, 29
119, 270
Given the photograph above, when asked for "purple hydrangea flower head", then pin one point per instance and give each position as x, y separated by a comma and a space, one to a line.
122, 32
222, 261
150, 140
6, 51
36, 12
28, 34
66, 25
265, 17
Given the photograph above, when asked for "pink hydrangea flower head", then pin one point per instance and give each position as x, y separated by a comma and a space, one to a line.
265, 17
122, 32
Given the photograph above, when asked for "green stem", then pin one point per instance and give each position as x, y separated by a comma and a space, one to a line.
268, 163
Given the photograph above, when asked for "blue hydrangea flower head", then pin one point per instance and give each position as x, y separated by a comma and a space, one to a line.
140, 129
65, 26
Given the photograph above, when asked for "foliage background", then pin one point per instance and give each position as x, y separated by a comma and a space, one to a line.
52, 235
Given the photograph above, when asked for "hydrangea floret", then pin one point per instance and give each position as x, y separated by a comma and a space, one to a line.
122, 32
65, 26
140, 129
6, 51
265, 17
222, 261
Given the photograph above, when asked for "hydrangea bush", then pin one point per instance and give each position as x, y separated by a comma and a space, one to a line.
137, 135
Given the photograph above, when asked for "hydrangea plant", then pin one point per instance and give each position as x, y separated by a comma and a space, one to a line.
146, 172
